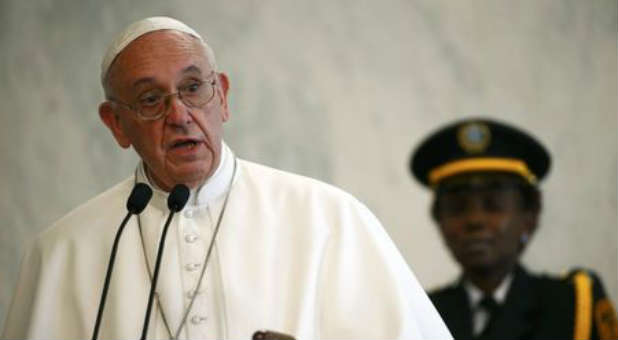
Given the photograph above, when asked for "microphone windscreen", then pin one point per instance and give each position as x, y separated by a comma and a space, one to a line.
139, 198
178, 197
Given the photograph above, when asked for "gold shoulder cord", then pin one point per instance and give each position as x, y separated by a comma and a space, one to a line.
605, 319
583, 305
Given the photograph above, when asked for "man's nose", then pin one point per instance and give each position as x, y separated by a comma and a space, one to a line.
178, 113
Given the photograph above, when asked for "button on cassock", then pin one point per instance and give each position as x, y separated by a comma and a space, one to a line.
192, 266
198, 319
190, 238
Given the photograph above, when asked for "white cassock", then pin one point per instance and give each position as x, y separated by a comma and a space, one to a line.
293, 255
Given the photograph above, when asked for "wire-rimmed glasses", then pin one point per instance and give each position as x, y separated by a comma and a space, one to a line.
155, 104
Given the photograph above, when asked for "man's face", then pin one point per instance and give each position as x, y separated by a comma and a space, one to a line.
482, 219
185, 145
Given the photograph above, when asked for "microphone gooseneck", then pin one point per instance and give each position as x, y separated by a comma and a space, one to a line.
176, 200
138, 199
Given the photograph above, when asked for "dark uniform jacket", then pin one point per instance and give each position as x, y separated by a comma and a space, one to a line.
536, 307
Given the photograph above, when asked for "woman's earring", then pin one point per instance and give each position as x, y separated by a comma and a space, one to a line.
524, 238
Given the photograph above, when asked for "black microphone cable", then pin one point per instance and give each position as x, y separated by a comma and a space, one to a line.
175, 202
139, 198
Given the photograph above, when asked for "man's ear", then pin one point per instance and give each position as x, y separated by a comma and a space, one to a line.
224, 86
112, 121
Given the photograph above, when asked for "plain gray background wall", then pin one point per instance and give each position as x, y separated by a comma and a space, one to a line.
336, 90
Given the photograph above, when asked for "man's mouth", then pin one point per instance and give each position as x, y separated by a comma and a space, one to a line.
184, 143
189, 143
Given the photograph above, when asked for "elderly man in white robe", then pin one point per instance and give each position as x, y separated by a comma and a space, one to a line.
291, 254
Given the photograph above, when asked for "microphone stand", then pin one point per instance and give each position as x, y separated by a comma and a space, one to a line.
140, 195
176, 201
108, 276
155, 276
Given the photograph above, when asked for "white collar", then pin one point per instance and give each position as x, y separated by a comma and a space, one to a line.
499, 294
215, 186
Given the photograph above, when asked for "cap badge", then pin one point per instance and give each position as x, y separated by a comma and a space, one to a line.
474, 137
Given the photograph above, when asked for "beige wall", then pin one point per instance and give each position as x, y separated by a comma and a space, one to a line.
337, 90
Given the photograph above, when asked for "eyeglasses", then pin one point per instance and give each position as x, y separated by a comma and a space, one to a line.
154, 104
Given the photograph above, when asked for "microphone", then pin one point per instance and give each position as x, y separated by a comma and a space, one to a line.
271, 335
175, 202
140, 195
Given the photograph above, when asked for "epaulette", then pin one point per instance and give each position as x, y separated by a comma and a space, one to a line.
591, 305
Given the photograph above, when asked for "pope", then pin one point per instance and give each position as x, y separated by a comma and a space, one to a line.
290, 254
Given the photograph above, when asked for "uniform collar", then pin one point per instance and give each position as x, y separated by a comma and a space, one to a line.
499, 294
215, 186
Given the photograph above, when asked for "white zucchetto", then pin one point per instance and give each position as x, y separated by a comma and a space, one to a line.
141, 27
